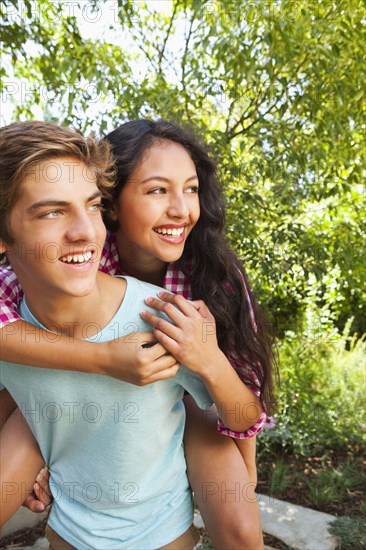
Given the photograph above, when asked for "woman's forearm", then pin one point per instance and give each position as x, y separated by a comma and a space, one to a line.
26, 344
125, 358
237, 406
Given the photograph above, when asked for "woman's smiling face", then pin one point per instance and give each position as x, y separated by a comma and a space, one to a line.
157, 208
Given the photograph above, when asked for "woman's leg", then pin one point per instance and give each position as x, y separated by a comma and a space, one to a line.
20, 462
221, 484
247, 448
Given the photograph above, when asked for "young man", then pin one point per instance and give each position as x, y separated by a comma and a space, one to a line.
115, 453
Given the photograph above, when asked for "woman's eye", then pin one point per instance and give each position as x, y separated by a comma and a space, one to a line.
157, 191
192, 189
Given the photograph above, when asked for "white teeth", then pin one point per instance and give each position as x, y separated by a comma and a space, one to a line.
77, 258
175, 232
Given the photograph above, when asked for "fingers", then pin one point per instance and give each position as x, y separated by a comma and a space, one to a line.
155, 351
173, 312
202, 309
162, 363
34, 504
145, 338
153, 367
192, 308
161, 371
174, 302
180, 301
169, 343
165, 374
41, 496
161, 324
42, 487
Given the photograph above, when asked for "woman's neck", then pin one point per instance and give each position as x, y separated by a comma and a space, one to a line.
140, 264
153, 274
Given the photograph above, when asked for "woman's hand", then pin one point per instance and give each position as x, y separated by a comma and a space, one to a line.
41, 496
139, 359
192, 338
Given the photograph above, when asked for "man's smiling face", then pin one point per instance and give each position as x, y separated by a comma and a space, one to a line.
57, 230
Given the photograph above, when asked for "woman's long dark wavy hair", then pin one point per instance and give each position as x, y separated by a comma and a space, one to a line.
215, 273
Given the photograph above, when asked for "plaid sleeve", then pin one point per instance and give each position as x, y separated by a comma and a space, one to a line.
175, 281
109, 261
254, 430
10, 296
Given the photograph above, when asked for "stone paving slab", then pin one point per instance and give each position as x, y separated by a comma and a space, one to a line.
300, 528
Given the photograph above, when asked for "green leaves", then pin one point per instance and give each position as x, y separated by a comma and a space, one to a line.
275, 88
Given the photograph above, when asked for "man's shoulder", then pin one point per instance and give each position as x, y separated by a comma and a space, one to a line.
141, 287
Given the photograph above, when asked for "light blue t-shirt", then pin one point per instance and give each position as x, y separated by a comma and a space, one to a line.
115, 451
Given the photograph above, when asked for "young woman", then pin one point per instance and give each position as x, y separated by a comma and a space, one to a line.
161, 237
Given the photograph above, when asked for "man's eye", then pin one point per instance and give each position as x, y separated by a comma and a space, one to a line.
50, 215
96, 207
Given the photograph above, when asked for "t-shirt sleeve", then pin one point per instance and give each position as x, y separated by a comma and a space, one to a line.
193, 384
10, 296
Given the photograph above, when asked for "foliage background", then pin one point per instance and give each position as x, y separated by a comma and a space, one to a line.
277, 88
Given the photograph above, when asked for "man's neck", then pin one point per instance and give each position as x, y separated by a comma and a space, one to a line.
79, 317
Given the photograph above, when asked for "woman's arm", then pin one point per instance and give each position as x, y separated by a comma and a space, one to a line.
192, 340
125, 358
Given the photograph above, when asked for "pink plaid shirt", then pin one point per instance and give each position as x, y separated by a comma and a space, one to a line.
174, 281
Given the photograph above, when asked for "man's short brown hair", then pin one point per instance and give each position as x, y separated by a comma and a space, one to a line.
26, 144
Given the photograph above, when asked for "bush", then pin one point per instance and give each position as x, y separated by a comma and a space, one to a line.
334, 484
351, 532
321, 395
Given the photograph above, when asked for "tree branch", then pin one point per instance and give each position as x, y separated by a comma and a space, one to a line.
254, 104
245, 130
162, 51
184, 58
